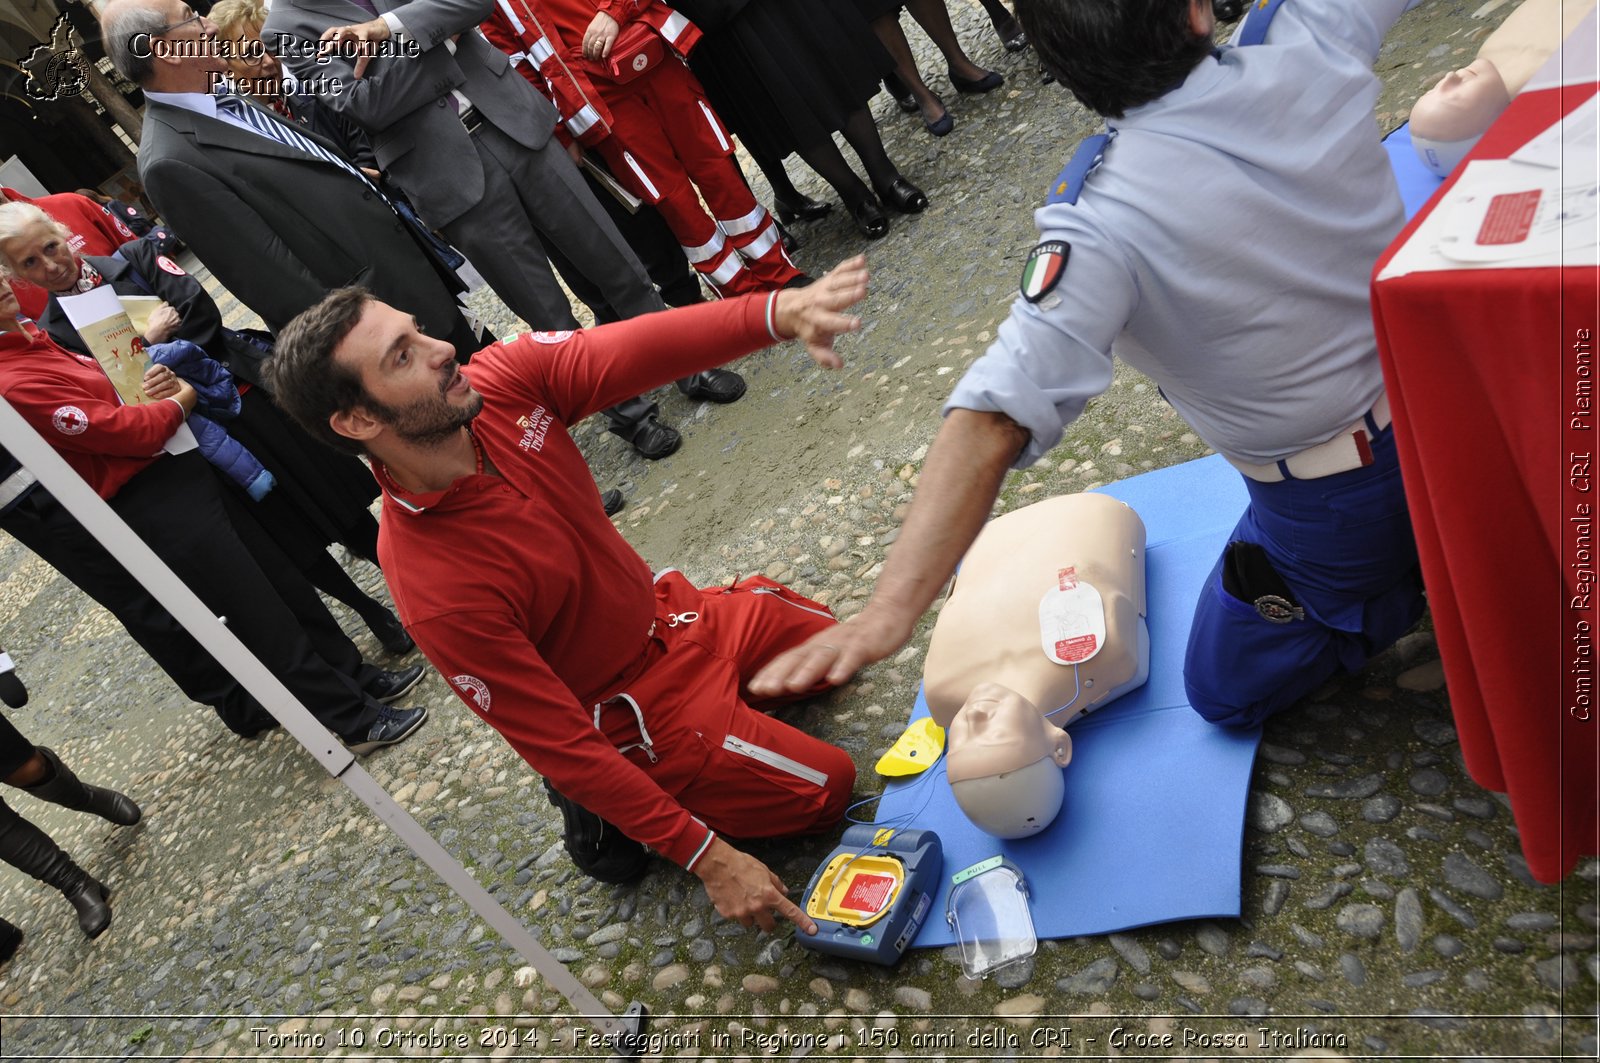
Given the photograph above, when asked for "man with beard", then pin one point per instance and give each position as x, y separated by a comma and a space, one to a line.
626, 690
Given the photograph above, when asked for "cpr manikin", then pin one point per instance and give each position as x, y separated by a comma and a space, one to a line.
1450, 118
1045, 623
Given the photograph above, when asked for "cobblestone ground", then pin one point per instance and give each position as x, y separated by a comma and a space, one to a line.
261, 911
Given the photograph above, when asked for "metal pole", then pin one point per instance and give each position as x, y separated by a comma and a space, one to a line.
39, 458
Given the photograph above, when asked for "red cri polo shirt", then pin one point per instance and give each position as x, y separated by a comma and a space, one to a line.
519, 589
69, 400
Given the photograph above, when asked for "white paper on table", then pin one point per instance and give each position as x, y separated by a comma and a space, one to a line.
1575, 137
1507, 215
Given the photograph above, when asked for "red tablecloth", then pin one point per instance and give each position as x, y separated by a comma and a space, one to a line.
1485, 370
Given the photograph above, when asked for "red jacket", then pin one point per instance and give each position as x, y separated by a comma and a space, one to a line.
544, 39
69, 400
95, 229
519, 589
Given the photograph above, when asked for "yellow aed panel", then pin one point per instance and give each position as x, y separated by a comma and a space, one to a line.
856, 890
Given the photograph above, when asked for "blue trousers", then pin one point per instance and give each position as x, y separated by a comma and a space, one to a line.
1343, 545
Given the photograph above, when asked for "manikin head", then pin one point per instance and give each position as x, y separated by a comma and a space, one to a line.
1004, 762
1450, 117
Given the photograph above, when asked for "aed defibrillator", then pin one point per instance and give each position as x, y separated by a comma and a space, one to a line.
872, 893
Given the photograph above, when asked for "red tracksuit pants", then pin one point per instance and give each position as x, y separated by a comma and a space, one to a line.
686, 718
666, 142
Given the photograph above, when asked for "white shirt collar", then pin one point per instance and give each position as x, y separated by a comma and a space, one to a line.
198, 102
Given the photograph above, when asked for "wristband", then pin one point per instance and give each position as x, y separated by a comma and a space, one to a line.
772, 318
711, 836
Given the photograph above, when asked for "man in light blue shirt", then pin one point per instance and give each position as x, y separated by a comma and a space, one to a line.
1219, 238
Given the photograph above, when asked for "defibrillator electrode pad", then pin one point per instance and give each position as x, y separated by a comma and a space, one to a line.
1050, 602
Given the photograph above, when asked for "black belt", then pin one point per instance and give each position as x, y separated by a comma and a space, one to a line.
471, 119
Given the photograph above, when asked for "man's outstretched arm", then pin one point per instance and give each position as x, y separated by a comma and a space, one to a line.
968, 460
598, 367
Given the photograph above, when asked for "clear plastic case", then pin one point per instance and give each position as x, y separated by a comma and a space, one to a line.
988, 910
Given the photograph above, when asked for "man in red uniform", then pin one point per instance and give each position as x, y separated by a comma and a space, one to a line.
95, 231
624, 689
613, 72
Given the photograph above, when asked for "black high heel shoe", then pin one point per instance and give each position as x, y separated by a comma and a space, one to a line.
903, 196
869, 218
988, 83
903, 96
805, 209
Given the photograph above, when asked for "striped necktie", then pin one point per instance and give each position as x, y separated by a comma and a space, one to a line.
284, 134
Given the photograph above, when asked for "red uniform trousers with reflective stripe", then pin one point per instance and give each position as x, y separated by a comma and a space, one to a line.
665, 141
685, 718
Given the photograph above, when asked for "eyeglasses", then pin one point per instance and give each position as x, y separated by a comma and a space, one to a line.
177, 25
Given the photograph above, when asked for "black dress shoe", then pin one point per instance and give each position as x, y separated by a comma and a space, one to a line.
1012, 38
612, 502
870, 219
988, 83
654, 440
805, 209
903, 196
391, 726
791, 242
714, 385
390, 686
390, 633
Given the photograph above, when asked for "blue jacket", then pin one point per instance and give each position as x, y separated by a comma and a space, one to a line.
219, 401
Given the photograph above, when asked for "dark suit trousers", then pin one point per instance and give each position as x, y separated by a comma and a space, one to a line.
534, 197
44, 526
206, 536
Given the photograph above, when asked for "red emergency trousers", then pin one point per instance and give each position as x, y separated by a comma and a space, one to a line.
664, 138
741, 772
666, 142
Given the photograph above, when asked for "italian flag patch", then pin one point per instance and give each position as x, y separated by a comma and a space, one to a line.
1042, 272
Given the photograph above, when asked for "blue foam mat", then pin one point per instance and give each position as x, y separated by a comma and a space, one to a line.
1417, 182
1152, 825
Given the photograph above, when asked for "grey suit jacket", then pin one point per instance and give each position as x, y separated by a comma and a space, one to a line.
404, 102
280, 227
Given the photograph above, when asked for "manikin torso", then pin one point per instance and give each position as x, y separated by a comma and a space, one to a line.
989, 630
1062, 579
